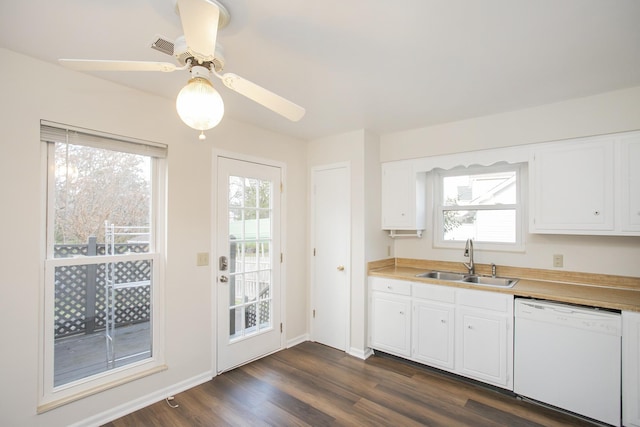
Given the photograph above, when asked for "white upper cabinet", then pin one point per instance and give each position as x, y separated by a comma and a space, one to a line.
586, 186
403, 197
572, 187
629, 159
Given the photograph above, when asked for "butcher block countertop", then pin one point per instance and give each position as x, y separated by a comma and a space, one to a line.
598, 290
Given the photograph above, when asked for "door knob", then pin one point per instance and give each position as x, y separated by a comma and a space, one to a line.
341, 268
224, 279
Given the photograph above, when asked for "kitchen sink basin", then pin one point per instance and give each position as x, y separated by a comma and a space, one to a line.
502, 282
442, 275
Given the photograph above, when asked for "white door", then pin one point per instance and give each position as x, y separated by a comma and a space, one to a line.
331, 269
248, 264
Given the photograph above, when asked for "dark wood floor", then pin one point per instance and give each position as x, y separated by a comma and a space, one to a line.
313, 385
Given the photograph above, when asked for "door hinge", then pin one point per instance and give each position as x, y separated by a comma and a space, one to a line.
281, 257
280, 327
314, 251
314, 313
281, 187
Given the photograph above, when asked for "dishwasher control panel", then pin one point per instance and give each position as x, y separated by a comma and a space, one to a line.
571, 316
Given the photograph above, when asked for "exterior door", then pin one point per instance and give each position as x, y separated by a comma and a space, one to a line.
248, 264
331, 269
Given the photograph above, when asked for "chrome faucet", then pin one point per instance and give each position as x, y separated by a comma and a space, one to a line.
468, 252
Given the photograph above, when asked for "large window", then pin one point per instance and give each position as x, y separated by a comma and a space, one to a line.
103, 261
479, 203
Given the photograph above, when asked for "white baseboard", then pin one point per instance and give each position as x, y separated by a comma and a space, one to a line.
143, 401
297, 340
360, 354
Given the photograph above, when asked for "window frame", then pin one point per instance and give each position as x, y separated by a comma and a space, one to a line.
51, 396
519, 206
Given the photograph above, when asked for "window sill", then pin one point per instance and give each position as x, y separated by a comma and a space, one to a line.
58, 402
481, 246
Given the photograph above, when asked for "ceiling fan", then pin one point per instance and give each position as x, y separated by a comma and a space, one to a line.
199, 105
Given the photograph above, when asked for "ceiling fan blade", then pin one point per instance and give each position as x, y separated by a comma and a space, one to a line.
264, 97
200, 26
108, 65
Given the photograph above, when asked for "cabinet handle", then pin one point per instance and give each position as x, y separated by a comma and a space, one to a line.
402, 313
469, 327
443, 321
596, 213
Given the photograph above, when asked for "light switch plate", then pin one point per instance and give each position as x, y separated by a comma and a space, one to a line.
202, 259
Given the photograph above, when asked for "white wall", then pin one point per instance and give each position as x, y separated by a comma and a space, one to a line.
605, 113
33, 90
594, 115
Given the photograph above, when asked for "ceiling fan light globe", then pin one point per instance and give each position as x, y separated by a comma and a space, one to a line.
199, 105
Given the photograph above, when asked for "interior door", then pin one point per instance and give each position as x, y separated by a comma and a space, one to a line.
248, 264
331, 268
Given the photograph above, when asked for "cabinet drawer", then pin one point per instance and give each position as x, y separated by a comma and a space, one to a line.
398, 287
434, 293
485, 300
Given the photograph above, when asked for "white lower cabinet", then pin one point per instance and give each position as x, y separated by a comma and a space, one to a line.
630, 369
484, 337
390, 321
463, 331
433, 326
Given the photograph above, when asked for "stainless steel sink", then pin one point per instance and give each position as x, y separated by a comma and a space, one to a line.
442, 275
501, 282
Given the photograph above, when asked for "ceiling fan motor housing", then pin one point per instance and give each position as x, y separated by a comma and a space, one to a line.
183, 55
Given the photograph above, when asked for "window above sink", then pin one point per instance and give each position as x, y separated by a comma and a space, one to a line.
479, 202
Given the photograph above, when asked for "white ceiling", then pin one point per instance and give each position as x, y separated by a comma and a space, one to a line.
375, 64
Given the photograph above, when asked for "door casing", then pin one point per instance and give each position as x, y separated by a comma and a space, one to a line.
216, 154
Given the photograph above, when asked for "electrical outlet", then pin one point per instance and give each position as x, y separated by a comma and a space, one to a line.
558, 261
202, 259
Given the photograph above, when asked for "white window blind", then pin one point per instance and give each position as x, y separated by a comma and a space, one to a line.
56, 132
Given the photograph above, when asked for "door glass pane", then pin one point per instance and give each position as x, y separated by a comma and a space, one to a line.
250, 193
251, 262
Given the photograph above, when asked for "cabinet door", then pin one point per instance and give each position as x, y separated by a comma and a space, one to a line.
572, 187
391, 323
402, 197
433, 334
631, 368
482, 346
630, 183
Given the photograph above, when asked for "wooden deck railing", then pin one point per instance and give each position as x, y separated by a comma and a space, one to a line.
80, 295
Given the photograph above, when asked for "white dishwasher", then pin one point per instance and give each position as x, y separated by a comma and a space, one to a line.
569, 357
